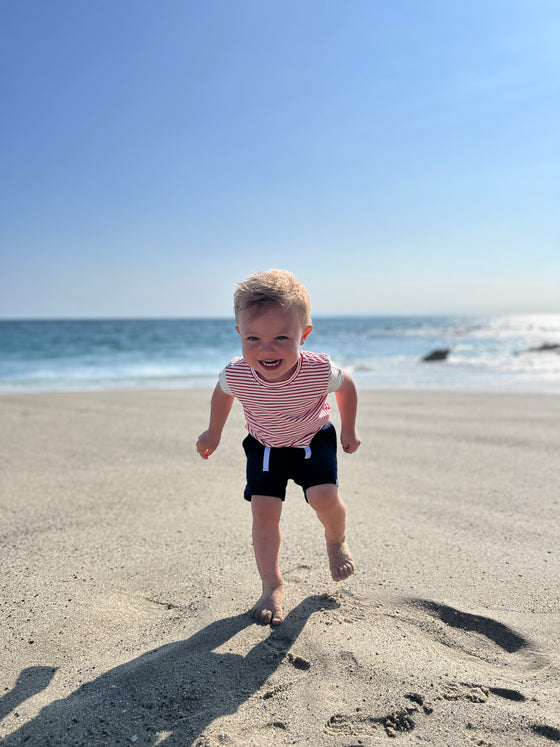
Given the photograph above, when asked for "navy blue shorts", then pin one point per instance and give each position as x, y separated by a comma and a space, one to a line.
290, 463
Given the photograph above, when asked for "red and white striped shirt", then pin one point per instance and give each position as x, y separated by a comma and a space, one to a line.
285, 413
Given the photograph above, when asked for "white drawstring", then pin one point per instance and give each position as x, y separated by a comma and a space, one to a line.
266, 458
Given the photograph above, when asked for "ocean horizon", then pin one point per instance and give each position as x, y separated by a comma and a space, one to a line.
510, 353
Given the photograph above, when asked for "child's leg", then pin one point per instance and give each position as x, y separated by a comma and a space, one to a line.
266, 545
332, 514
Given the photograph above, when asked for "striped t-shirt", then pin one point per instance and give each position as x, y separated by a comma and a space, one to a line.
285, 413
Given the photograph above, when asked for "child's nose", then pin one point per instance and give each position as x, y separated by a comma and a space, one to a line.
268, 347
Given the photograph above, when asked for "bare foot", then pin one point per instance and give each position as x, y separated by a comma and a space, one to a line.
268, 610
340, 560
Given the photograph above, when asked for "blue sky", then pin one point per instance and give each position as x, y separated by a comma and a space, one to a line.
398, 156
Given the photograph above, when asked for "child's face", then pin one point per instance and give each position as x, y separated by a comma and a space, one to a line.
271, 341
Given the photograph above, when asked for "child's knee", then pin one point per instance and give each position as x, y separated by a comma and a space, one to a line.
321, 497
266, 510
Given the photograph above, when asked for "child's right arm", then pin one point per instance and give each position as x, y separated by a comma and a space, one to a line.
220, 408
347, 400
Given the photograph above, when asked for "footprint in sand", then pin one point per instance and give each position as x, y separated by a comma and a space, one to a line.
478, 693
298, 662
480, 637
350, 607
365, 725
488, 641
485, 645
477, 636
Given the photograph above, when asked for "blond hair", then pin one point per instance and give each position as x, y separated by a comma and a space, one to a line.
263, 290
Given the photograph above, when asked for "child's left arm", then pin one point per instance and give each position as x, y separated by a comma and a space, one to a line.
347, 401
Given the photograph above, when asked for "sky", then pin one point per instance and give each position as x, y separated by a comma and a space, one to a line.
400, 157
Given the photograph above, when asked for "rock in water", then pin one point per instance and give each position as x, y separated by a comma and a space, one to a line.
437, 355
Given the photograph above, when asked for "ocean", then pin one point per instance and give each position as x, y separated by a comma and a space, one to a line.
485, 353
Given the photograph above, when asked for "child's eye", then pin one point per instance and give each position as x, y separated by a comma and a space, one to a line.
252, 338
282, 337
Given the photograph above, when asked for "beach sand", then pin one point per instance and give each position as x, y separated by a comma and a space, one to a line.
127, 573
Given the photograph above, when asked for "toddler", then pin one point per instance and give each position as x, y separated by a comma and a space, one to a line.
283, 391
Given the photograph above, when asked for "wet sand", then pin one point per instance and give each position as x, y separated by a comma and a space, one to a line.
127, 573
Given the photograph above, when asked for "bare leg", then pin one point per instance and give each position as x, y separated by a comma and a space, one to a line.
266, 545
332, 514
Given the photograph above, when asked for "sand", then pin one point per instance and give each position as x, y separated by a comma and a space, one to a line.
127, 571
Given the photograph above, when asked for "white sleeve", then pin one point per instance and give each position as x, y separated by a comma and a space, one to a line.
223, 382
336, 378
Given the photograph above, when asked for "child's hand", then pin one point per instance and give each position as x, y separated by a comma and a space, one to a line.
206, 444
350, 441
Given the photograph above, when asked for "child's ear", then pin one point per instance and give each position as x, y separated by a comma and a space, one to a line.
237, 328
304, 334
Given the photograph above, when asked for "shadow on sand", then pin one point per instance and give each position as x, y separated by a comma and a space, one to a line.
30, 682
167, 696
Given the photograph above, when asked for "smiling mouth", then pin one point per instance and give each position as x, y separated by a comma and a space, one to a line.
271, 365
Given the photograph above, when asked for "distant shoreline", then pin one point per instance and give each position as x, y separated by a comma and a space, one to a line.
381, 352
